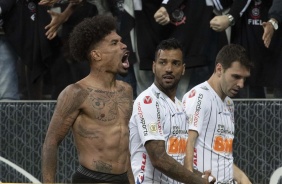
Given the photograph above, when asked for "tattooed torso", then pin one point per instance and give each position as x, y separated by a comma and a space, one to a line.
100, 128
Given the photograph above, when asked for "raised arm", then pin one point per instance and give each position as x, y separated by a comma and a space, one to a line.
57, 19
170, 167
65, 114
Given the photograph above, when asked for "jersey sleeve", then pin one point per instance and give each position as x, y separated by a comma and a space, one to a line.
195, 103
148, 119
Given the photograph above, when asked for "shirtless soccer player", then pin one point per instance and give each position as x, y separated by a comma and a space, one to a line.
96, 109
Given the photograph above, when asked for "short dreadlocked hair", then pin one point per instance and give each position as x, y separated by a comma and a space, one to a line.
88, 33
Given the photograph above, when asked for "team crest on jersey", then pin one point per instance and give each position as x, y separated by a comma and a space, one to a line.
229, 105
192, 93
147, 100
153, 128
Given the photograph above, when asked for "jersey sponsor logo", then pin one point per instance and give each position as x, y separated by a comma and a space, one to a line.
140, 177
255, 22
176, 145
153, 128
221, 130
159, 119
198, 108
147, 100
176, 130
195, 156
222, 144
140, 113
192, 93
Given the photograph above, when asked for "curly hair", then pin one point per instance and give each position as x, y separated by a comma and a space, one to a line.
88, 33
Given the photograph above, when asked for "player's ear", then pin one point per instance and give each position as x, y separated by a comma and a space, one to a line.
96, 55
218, 69
154, 66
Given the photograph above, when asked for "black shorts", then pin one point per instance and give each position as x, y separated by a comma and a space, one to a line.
84, 175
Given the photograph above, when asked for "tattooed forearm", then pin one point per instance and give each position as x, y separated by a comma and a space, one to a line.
168, 165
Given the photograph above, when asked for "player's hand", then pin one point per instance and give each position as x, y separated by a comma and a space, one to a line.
219, 23
47, 2
267, 34
207, 175
56, 21
161, 16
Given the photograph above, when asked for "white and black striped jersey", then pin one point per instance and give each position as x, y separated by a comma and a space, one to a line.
213, 119
156, 117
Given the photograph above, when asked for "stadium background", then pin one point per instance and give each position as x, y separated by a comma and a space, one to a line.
23, 124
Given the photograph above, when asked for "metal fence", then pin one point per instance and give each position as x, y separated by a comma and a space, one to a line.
23, 125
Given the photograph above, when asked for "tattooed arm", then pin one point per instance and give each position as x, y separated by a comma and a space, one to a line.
169, 166
66, 111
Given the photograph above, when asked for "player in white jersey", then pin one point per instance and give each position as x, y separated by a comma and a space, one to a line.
158, 128
210, 114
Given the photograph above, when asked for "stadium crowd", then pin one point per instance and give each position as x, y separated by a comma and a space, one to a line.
35, 62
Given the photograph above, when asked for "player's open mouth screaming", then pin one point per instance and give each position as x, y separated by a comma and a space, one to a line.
124, 60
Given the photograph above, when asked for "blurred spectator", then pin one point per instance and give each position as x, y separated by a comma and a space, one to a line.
24, 25
65, 17
155, 21
266, 58
184, 20
225, 15
148, 35
8, 62
273, 23
74, 11
123, 10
